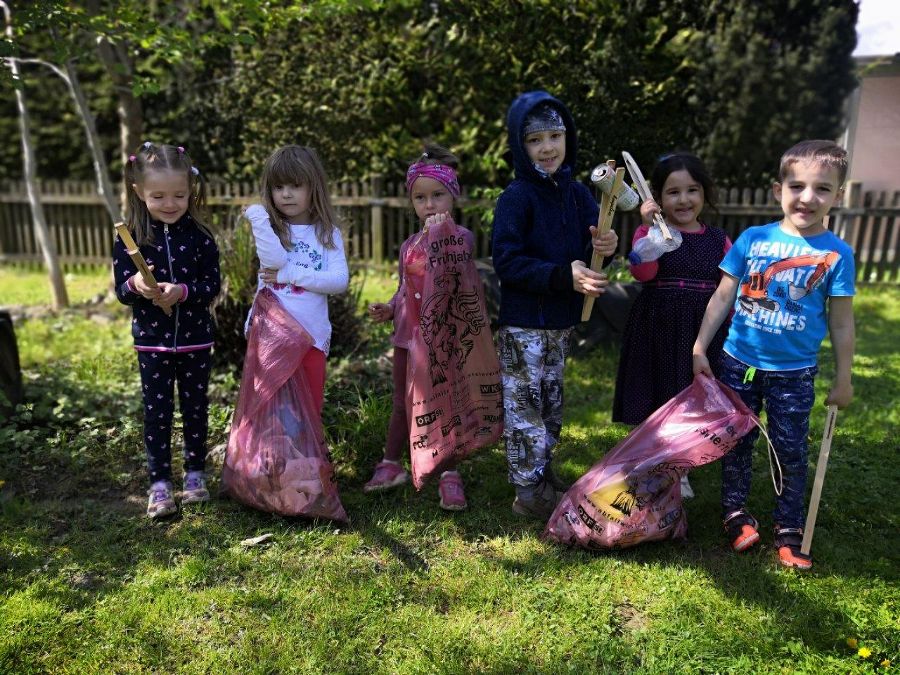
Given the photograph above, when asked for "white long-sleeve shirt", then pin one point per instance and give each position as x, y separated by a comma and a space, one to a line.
307, 274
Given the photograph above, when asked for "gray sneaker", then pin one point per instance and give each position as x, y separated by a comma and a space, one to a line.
161, 502
538, 503
555, 481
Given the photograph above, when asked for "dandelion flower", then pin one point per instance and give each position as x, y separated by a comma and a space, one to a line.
852, 643
886, 663
864, 652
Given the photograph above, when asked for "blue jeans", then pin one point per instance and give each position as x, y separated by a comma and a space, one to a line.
789, 397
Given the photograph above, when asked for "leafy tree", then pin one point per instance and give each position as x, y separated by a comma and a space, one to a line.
367, 82
41, 231
367, 87
57, 130
775, 73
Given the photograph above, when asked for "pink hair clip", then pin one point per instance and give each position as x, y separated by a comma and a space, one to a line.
131, 158
180, 150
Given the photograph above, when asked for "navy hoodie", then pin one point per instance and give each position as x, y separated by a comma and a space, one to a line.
540, 226
181, 253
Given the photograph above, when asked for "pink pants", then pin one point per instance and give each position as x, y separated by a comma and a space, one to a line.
398, 428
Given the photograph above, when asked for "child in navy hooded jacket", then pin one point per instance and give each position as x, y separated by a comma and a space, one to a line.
543, 237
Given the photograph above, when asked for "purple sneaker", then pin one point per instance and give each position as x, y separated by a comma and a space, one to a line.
161, 502
194, 490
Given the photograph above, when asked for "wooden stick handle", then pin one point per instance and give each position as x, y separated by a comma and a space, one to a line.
131, 248
821, 466
604, 223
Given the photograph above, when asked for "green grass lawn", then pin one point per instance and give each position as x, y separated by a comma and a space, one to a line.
22, 286
87, 584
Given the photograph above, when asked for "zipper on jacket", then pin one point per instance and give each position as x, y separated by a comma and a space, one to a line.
172, 279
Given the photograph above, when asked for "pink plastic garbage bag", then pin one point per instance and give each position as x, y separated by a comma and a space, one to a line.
276, 459
454, 396
633, 494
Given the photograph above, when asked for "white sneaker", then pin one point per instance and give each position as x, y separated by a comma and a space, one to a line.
687, 492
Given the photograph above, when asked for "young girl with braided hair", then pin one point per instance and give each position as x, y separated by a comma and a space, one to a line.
172, 327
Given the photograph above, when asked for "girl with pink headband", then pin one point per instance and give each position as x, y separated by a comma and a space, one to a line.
441, 337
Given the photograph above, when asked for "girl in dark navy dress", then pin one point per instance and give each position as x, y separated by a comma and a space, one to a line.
678, 277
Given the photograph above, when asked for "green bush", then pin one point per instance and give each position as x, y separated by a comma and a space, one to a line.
238, 266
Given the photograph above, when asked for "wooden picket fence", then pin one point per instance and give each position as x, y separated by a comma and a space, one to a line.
377, 218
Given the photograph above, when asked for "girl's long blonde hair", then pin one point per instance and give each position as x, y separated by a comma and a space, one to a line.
150, 157
299, 165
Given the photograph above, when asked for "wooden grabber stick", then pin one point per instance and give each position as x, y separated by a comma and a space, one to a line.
134, 252
604, 222
821, 466
644, 191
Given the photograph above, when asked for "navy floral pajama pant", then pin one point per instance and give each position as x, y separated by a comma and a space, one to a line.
159, 372
789, 398
531, 368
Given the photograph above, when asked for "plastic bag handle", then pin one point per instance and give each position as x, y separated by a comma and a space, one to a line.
779, 484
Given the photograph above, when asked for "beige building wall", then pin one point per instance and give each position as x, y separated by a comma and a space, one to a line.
873, 133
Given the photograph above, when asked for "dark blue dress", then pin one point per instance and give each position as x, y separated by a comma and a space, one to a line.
655, 363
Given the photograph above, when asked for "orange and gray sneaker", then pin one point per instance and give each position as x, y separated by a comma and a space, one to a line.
787, 543
742, 530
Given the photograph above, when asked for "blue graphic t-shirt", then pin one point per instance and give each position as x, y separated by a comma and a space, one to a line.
780, 315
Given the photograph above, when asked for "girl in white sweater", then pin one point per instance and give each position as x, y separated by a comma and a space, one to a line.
300, 249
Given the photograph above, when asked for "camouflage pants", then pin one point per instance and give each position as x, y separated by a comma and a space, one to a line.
531, 367
789, 398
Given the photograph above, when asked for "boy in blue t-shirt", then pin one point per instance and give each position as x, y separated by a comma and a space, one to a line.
783, 275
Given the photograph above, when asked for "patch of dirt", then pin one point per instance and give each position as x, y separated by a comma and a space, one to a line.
630, 618
101, 308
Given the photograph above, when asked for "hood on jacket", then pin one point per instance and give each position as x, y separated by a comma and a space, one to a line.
515, 125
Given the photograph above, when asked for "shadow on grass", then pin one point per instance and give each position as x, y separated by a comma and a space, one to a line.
75, 546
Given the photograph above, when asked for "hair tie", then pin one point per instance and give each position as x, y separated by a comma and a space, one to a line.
180, 150
131, 158
195, 171
148, 145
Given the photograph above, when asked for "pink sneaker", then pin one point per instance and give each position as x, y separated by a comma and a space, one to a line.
387, 475
450, 488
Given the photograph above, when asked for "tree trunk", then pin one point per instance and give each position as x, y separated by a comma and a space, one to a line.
119, 67
131, 113
100, 167
41, 232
